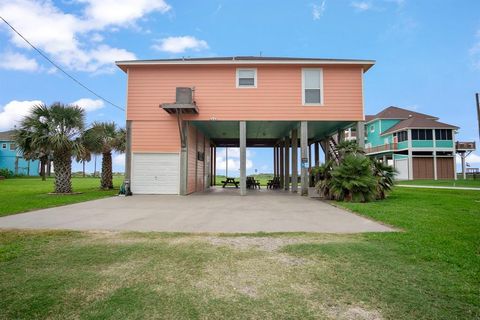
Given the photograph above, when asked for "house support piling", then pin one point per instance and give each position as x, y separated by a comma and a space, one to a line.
243, 158
294, 160
304, 156
287, 163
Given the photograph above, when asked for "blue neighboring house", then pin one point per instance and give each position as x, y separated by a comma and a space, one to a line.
416, 144
12, 159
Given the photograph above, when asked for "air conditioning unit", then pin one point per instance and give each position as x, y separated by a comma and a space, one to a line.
184, 95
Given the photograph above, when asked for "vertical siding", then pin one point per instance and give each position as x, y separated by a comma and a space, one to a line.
200, 164
445, 168
423, 168
192, 158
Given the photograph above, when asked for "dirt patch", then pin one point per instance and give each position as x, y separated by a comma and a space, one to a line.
269, 244
353, 313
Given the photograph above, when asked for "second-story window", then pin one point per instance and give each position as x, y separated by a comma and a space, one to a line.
312, 86
12, 146
443, 134
422, 134
402, 136
247, 78
4, 146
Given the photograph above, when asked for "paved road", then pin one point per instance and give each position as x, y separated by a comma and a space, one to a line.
209, 212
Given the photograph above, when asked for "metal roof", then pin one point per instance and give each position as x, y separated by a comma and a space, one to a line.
7, 135
239, 60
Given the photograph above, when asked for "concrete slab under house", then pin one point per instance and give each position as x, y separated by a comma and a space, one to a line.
179, 111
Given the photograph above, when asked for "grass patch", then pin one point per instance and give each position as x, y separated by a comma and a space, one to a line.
429, 271
444, 183
26, 194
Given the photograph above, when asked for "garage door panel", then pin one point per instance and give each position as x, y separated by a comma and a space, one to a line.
401, 166
423, 168
155, 173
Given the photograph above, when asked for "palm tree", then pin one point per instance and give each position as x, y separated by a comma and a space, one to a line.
384, 175
345, 148
104, 138
323, 178
352, 179
84, 156
56, 129
24, 141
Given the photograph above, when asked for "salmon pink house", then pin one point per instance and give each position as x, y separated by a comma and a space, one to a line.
180, 110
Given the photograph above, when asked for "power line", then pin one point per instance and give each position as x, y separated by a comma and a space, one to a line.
60, 68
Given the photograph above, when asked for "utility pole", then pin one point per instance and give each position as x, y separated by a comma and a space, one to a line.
477, 97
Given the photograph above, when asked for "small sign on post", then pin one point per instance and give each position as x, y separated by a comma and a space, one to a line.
304, 163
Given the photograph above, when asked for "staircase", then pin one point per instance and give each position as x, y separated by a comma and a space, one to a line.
332, 150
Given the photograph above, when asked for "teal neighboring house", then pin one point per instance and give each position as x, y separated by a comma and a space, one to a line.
12, 159
416, 144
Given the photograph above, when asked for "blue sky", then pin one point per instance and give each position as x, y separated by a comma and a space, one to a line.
427, 52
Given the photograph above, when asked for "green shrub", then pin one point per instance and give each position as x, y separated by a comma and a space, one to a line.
384, 176
4, 172
353, 180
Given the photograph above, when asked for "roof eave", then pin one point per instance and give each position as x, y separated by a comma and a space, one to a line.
365, 64
406, 128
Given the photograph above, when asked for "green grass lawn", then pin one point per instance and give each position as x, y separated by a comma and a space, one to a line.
444, 183
431, 270
26, 194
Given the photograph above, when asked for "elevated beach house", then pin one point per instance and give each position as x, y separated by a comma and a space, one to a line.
417, 144
180, 110
12, 159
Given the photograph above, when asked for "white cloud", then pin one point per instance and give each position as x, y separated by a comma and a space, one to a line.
89, 104
119, 160
180, 44
14, 111
475, 52
17, 61
233, 166
76, 40
473, 158
361, 5
102, 13
233, 161
318, 10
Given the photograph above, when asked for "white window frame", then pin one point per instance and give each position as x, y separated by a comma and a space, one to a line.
321, 87
4, 146
255, 78
372, 128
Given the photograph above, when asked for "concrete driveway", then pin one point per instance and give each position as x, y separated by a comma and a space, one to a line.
208, 212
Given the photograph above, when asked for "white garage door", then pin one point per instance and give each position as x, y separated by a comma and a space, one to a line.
402, 169
155, 173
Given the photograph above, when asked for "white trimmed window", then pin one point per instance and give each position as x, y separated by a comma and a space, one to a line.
312, 86
247, 78
372, 128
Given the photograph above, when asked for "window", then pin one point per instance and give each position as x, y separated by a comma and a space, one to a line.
443, 134
4, 146
386, 141
312, 83
402, 136
246, 78
422, 134
372, 128
12, 146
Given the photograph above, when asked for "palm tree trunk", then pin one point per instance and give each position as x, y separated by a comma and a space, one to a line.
106, 181
63, 172
83, 163
49, 166
42, 168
